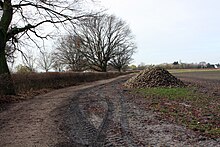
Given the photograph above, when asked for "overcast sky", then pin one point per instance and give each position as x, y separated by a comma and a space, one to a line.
172, 30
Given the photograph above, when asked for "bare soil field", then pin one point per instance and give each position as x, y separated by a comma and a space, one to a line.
207, 80
102, 113
206, 83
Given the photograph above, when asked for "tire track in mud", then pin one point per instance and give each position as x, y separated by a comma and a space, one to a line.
79, 130
126, 133
122, 121
127, 137
104, 114
101, 135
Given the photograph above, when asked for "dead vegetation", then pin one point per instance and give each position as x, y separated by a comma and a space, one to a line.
31, 84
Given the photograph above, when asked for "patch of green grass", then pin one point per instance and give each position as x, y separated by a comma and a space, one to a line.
200, 127
185, 106
170, 93
215, 131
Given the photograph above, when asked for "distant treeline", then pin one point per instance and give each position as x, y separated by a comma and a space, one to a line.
177, 65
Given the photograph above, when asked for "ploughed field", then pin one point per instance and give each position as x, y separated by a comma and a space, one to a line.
207, 80
212, 74
206, 106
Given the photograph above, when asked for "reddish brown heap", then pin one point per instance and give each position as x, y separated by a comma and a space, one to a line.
154, 77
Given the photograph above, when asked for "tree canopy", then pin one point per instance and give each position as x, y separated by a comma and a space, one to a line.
102, 38
24, 19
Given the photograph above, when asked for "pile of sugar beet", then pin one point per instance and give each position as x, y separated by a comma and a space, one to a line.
154, 77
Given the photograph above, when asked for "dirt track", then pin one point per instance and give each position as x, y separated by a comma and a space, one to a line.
98, 114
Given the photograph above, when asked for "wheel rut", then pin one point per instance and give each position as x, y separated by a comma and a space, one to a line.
79, 129
98, 115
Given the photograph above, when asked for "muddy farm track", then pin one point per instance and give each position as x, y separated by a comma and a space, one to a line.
98, 114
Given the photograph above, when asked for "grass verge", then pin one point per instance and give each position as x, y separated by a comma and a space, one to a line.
186, 107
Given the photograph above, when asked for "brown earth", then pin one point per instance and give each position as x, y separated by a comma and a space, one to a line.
102, 113
207, 82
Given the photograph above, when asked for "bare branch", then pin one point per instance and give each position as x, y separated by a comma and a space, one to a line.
101, 39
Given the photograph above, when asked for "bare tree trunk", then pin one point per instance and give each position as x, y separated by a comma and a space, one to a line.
6, 83
103, 70
104, 67
119, 69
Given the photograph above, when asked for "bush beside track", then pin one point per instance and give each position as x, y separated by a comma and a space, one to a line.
31, 84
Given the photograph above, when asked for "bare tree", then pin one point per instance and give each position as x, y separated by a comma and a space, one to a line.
45, 61
58, 66
29, 61
100, 39
123, 57
25, 19
68, 54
